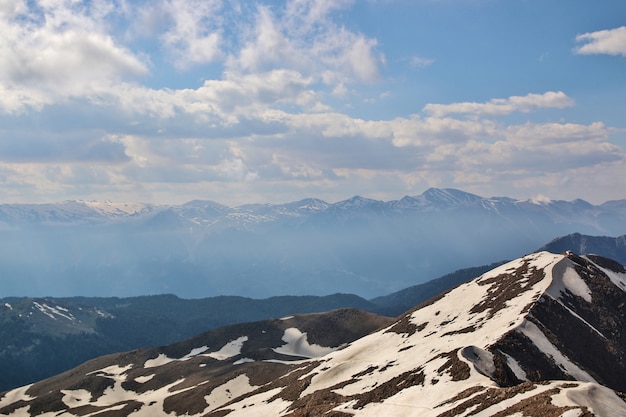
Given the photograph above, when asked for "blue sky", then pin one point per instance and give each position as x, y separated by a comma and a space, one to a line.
167, 101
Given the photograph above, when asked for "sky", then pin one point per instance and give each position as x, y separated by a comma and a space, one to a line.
167, 101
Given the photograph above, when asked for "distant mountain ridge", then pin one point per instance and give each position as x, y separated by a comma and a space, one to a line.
431, 200
610, 247
538, 336
40, 337
309, 247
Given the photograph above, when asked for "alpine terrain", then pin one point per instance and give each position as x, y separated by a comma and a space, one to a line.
539, 336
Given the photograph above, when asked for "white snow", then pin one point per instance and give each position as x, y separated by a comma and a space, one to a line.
260, 405
228, 391
112, 371
602, 401
160, 360
230, 349
565, 278
116, 209
195, 352
515, 367
535, 334
297, 344
243, 360
286, 318
144, 379
16, 395
7, 305
447, 326
570, 413
619, 279
75, 398
52, 311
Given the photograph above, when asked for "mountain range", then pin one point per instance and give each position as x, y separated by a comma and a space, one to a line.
542, 335
310, 247
35, 331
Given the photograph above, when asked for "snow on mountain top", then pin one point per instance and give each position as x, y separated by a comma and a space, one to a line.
449, 196
473, 314
566, 279
112, 209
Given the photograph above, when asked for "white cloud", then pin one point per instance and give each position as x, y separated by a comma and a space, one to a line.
195, 34
303, 37
58, 51
265, 122
10, 8
501, 107
611, 42
267, 45
217, 103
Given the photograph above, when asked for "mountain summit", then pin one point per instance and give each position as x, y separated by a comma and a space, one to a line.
539, 336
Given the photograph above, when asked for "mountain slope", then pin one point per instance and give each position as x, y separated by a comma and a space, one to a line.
35, 332
399, 302
539, 336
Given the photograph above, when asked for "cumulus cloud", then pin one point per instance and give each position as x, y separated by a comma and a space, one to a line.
267, 118
503, 106
611, 42
194, 35
304, 37
58, 50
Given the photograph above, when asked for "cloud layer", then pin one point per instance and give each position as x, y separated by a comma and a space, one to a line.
82, 114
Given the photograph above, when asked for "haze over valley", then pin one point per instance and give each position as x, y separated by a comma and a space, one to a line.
200, 249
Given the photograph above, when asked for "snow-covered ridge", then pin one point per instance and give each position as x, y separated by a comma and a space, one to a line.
536, 336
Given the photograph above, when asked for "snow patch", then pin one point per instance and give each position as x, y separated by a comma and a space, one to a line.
515, 367
243, 360
535, 334
144, 379
266, 403
617, 278
112, 371
75, 398
566, 279
7, 305
230, 349
52, 311
600, 400
224, 393
16, 395
297, 344
160, 360
195, 352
